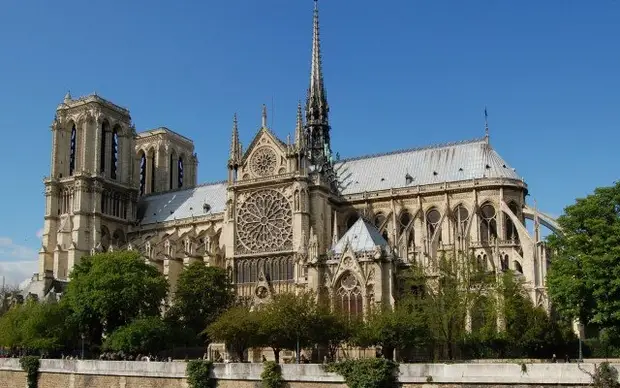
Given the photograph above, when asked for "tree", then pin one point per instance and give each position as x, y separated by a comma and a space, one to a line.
237, 327
141, 336
392, 329
332, 329
288, 322
582, 278
202, 295
110, 290
36, 327
443, 296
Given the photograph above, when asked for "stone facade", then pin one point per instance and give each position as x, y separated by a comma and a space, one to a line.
115, 374
290, 215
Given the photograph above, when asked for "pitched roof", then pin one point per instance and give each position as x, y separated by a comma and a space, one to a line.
435, 164
362, 236
175, 205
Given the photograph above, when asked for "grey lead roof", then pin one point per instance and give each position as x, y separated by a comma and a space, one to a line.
361, 236
435, 164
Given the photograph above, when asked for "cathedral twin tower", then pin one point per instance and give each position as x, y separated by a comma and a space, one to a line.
289, 216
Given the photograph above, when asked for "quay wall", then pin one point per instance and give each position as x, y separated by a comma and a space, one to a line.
137, 374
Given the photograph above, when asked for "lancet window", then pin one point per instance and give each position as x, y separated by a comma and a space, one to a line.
180, 174
404, 221
73, 150
65, 201
348, 297
114, 154
380, 223
488, 223
142, 173
114, 204
276, 269
433, 217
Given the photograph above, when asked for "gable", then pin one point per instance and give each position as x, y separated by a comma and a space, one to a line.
265, 157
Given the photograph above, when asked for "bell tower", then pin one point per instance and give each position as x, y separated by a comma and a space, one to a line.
90, 195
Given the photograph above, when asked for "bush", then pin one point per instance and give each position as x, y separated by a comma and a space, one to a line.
199, 374
367, 372
605, 376
30, 364
272, 375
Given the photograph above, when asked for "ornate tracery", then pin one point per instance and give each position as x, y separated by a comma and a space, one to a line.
348, 298
264, 161
264, 222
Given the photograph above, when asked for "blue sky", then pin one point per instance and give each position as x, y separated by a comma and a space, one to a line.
399, 73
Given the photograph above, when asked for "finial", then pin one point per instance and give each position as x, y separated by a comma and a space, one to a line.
68, 96
299, 128
486, 125
235, 144
264, 121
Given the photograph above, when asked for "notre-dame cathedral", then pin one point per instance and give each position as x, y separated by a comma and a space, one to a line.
290, 215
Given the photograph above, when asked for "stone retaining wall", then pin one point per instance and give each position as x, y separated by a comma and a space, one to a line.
134, 374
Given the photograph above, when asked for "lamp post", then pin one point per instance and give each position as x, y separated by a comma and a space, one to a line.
82, 336
581, 332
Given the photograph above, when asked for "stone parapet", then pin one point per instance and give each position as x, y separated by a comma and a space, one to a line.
466, 374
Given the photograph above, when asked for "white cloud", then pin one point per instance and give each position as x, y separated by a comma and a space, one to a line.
17, 262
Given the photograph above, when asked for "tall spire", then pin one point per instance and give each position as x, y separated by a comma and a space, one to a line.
235, 145
486, 125
299, 129
317, 108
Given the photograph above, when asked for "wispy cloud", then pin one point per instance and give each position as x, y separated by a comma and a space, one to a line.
17, 262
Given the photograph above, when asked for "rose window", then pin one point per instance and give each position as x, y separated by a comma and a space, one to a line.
264, 161
264, 222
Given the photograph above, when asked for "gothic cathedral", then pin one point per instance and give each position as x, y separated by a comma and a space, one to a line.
290, 216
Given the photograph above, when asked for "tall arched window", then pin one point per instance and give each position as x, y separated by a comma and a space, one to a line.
488, 223
380, 222
511, 229
152, 156
348, 297
404, 221
461, 216
105, 128
73, 150
114, 154
142, 173
180, 176
432, 223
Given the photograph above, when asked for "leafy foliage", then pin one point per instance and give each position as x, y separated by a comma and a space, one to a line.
582, 278
201, 296
30, 365
237, 327
367, 372
442, 302
36, 327
605, 376
142, 336
199, 374
271, 377
391, 329
109, 290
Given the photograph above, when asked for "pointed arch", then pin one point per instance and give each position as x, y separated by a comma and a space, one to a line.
488, 222
150, 176
73, 148
142, 172
348, 298
114, 151
433, 219
172, 169
181, 171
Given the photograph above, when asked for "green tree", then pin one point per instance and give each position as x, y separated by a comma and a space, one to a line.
392, 329
288, 322
110, 290
237, 327
442, 295
142, 336
36, 327
332, 329
585, 268
202, 294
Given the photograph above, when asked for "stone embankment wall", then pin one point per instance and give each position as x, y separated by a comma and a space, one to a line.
133, 374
